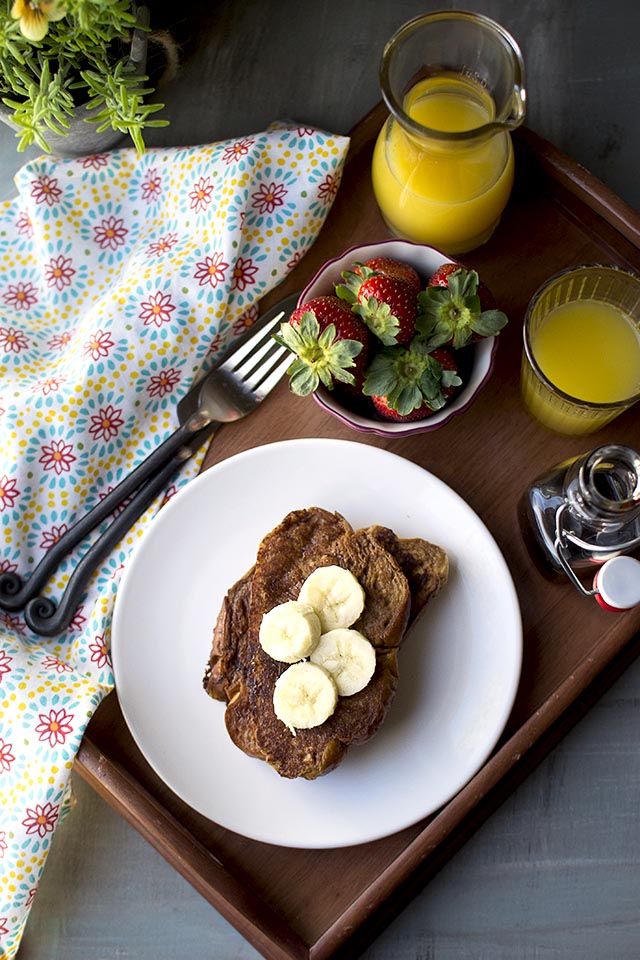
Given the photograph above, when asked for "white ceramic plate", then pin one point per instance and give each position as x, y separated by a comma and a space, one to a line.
459, 666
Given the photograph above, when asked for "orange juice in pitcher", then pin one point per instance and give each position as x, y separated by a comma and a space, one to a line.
443, 163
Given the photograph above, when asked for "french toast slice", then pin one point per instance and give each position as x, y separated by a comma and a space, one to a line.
398, 576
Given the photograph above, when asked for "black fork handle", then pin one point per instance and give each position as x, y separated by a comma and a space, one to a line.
47, 618
16, 593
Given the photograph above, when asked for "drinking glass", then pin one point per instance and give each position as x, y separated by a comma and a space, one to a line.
591, 368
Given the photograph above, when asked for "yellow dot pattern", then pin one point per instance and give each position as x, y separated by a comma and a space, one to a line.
122, 277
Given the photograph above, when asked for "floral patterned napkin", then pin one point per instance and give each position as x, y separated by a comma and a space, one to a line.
122, 276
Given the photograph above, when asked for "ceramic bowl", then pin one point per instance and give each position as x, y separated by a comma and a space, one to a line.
425, 260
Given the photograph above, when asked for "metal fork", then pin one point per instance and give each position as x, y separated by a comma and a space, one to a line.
231, 390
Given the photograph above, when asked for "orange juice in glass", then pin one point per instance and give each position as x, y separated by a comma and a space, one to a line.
581, 363
442, 167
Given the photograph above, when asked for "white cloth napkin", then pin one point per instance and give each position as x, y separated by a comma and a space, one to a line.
121, 277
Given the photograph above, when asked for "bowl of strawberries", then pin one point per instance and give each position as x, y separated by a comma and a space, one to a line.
392, 338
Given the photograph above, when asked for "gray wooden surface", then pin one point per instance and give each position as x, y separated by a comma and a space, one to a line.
555, 873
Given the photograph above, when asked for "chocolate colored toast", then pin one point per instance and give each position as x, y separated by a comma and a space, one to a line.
398, 576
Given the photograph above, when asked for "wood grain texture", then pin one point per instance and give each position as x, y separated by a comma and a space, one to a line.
555, 872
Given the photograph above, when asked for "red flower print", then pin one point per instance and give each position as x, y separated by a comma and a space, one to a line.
117, 573
57, 457
55, 727
201, 195
9, 492
58, 272
329, 187
21, 295
3, 925
124, 503
41, 819
30, 896
211, 270
60, 341
48, 385
236, 150
100, 652
216, 344
51, 537
3, 848
171, 492
244, 273
13, 623
6, 757
54, 663
12, 340
267, 198
157, 309
305, 131
24, 225
98, 345
247, 320
95, 160
163, 244
164, 382
110, 233
106, 423
7, 567
295, 259
5, 659
151, 185
45, 190
78, 620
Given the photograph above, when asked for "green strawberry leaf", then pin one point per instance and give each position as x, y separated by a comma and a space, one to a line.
346, 293
303, 379
438, 337
407, 399
381, 376
462, 283
450, 378
320, 357
489, 323
379, 319
429, 385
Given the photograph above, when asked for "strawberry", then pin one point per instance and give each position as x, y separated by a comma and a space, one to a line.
440, 277
383, 292
387, 412
410, 378
450, 310
393, 268
330, 343
386, 266
386, 305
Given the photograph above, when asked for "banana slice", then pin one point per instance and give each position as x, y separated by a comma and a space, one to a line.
289, 631
349, 657
335, 595
304, 696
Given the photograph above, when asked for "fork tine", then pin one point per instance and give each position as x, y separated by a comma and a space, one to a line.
257, 358
258, 338
264, 386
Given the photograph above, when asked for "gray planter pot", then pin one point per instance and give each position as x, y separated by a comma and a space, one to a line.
83, 138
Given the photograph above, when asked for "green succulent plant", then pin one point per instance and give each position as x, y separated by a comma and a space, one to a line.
65, 58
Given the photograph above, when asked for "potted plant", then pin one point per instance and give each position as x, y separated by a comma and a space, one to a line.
68, 64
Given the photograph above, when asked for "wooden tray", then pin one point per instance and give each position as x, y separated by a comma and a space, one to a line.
301, 904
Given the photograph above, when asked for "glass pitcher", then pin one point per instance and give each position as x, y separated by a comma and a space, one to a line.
443, 162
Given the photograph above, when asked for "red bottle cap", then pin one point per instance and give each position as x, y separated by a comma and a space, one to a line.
618, 584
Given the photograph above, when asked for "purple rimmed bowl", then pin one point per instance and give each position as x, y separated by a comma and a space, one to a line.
426, 261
